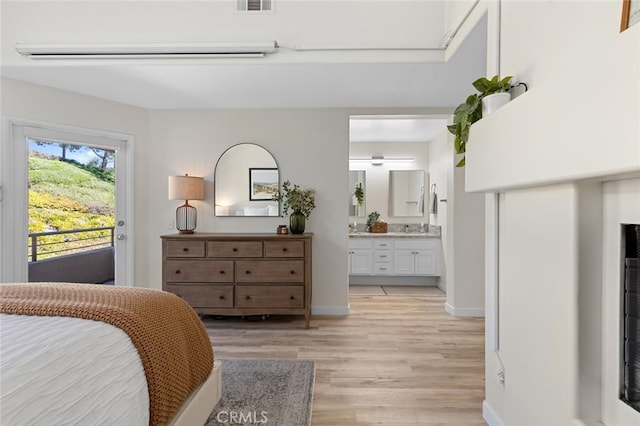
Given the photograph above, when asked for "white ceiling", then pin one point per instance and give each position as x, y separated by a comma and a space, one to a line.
274, 85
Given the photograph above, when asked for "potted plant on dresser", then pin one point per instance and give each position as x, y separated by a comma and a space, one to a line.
300, 201
493, 94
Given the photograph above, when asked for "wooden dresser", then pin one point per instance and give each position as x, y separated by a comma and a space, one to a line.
239, 274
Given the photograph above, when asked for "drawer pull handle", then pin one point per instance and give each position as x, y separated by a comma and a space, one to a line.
235, 249
247, 297
292, 298
221, 297
383, 256
177, 271
292, 272
185, 249
284, 249
247, 272
222, 272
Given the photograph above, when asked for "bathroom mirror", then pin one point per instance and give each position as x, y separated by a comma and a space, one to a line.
246, 179
406, 193
357, 185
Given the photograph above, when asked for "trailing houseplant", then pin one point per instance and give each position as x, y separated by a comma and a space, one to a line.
300, 201
470, 111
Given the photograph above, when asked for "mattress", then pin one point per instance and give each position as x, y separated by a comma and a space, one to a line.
60, 370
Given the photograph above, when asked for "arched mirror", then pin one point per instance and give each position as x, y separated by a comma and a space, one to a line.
246, 179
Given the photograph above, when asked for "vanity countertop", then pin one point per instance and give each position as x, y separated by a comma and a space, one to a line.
393, 235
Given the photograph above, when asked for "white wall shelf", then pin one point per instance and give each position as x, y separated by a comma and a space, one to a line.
554, 132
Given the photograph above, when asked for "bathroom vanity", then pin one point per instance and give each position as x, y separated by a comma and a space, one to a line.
394, 254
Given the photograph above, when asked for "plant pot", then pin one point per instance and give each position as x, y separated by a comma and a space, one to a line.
296, 223
492, 102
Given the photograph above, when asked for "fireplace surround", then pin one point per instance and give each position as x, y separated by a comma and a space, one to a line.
630, 316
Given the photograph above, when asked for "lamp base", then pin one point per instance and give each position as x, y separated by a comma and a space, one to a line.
186, 218
186, 232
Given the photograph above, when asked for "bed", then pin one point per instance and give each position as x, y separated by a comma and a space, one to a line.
103, 355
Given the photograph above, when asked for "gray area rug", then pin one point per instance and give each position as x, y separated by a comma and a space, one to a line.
265, 392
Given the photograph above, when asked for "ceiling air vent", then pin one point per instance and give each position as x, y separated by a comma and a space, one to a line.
254, 5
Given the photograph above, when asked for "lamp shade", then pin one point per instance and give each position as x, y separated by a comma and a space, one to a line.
186, 188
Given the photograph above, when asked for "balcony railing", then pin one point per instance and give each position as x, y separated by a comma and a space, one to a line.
46, 245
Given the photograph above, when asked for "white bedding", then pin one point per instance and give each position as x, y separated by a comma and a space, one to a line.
59, 370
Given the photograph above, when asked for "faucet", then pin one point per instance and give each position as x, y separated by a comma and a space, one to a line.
406, 228
353, 227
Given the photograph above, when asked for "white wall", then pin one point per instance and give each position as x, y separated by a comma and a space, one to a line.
441, 173
465, 246
552, 343
543, 45
538, 308
377, 177
39, 103
311, 148
461, 219
622, 205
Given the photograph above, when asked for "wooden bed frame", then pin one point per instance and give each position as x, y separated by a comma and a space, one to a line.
198, 406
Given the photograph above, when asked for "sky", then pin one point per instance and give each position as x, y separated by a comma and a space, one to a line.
83, 155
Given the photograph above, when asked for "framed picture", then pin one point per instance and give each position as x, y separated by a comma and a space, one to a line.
263, 183
630, 13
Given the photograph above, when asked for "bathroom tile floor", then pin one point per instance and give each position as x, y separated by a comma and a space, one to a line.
394, 290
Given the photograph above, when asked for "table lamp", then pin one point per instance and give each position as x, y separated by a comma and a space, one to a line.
186, 188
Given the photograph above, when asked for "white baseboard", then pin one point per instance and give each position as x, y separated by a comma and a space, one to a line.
464, 312
490, 416
330, 310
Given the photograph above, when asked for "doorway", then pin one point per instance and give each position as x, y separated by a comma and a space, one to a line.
71, 210
66, 205
389, 178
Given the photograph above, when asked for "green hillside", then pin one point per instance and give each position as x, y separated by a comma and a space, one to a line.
64, 196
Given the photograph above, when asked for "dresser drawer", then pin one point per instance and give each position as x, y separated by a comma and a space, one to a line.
284, 249
185, 248
234, 248
204, 296
202, 271
275, 296
270, 271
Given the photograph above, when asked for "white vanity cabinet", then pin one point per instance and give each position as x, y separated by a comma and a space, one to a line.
394, 256
416, 257
360, 256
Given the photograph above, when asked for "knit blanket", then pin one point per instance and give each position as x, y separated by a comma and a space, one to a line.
171, 340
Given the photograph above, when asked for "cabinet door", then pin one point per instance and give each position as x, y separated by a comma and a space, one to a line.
360, 261
403, 262
425, 262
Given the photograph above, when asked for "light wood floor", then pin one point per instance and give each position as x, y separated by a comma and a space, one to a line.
395, 360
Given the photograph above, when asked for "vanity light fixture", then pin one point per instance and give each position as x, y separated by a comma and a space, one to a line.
186, 188
378, 160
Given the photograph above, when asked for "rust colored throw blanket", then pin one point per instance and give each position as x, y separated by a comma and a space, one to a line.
170, 338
